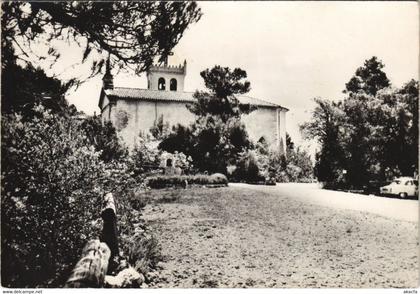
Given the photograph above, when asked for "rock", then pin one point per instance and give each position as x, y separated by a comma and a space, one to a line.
127, 278
151, 276
122, 265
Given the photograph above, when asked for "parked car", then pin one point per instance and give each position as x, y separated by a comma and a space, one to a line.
403, 187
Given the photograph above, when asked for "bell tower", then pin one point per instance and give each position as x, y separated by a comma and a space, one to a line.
167, 77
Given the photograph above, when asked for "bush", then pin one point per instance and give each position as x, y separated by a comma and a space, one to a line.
218, 178
104, 137
53, 180
211, 142
144, 253
158, 182
179, 159
248, 169
50, 198
144, 158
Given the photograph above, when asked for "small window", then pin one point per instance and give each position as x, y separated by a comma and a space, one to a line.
169, 162
161, 84
173, 85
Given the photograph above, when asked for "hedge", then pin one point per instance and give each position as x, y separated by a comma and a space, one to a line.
164, 181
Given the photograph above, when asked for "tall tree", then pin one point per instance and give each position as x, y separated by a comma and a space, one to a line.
132, 33
410, 96
22, 87
325, 127
399, 122
217, 136
375, 134
358, 139
368, 78
222, 84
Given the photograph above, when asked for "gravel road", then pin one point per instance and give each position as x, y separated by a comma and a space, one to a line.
257, 236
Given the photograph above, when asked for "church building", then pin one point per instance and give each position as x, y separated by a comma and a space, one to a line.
133, 111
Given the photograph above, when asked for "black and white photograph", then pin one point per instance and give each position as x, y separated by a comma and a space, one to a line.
221, 144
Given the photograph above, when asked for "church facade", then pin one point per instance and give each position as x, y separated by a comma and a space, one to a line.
133, 111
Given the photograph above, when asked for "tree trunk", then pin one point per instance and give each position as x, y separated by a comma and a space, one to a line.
109, 232
90, 270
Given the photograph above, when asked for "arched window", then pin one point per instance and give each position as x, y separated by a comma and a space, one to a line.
173, 85
169, 162
161, 84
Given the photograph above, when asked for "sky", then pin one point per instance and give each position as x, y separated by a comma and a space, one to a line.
292, 51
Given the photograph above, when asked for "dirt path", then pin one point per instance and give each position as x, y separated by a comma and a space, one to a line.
239, 237
399, 209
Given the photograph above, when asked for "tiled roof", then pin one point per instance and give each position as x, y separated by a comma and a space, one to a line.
145, 94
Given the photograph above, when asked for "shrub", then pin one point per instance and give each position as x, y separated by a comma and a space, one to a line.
104, 137
50, 198
144, 253
218, 178
120, 179
179, 159
158, 182
144, 158
211, 142
53, 180
247, 168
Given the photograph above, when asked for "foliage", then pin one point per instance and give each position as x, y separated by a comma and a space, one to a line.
369, 78
298, 167
371, 135
247, 168
295, 166
52, 174
211, 143
144, 252
144, 158
164, 181
104, 137
179, 159
50, 181
132, 32
217, 135
160, 129
53, 180
179, 139
218, 178
327, 118
23, 87
220, 101
260, 164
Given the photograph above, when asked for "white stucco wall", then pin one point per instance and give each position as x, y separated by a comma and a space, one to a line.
153, 78
132, 117
268, 123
